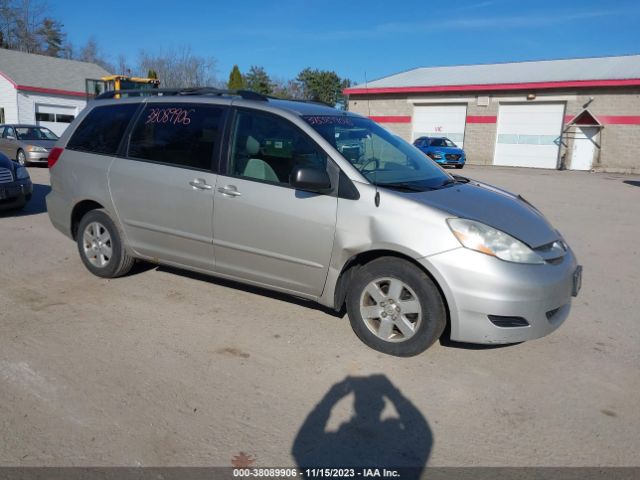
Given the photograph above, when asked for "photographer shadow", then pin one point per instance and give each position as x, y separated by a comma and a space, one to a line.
367, 440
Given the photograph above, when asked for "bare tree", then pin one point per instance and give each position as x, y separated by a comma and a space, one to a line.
180, 68
92, 53
28, 16
122, 68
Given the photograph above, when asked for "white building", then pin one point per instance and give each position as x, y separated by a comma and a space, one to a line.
42, 90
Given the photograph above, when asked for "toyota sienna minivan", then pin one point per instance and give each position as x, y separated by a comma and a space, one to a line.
257, 190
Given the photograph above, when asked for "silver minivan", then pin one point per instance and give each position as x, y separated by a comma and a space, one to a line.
314, 202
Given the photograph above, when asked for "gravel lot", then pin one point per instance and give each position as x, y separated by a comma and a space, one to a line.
164, 367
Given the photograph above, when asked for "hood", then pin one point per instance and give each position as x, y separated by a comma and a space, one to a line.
494, 207
6, 163
48, 144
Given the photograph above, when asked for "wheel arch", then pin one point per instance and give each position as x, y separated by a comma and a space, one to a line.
80, 209
358, 260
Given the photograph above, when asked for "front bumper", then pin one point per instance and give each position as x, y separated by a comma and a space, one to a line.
445, 161
37, 157
15, 194
477, 286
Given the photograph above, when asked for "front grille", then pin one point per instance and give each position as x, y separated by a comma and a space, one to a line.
5, 175
452, 156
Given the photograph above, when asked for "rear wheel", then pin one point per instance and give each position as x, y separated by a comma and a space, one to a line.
100, 246
21, 157
395, 308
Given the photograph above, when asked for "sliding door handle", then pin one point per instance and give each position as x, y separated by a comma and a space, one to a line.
200, 184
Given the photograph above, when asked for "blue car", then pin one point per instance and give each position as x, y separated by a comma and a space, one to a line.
441, 150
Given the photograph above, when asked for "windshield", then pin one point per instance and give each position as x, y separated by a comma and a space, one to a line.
441, 142
382, 157
35, 133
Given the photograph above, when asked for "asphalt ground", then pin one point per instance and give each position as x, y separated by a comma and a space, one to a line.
165, 367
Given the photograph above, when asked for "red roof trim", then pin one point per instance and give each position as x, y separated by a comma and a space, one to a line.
52, 91
619, 119
611, 119
482, 119
8, 78
391, 118
496, 86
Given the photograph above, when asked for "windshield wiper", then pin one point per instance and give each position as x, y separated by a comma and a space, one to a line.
461, 179
405, 186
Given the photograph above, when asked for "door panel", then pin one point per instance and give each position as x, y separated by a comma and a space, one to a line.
265, 231
584, 147
163, 215
273, 235
163, 192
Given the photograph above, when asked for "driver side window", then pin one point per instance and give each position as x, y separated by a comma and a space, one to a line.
266, 148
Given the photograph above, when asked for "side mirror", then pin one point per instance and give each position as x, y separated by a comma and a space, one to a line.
10, 137
310, 179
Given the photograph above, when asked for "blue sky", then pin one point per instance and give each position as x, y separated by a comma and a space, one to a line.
357, 36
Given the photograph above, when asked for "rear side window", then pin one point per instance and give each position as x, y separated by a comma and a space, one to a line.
102, 129
184, 135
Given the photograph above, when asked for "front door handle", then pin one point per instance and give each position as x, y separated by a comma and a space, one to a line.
200, 184
229, 190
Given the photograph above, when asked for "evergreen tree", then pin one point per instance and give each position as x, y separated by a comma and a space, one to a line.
236, 82
258, 81
51, 37
322, 86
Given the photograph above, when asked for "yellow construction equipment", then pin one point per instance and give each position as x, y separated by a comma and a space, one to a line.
95, 87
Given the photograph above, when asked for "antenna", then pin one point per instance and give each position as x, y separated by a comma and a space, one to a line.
375, 172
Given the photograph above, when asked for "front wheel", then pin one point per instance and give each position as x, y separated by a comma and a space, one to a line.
22, 158
394, 307
459, 166
100, 246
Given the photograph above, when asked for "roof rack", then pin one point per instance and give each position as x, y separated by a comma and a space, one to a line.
245, 94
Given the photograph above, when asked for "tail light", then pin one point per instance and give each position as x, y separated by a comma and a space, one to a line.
54, 155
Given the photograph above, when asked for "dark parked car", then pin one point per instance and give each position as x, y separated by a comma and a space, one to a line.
15, 184
442, 150
26, 143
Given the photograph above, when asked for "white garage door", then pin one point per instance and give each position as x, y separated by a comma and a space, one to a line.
440, 121
55, 117
529, 135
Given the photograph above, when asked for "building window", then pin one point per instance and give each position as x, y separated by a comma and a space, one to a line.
54, 117
62, 118
45, 117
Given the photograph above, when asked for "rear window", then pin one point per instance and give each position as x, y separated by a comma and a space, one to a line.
184, 135
102, 129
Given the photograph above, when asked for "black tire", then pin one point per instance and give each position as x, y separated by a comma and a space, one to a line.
434, 314
120, 261
459, 166
21, 158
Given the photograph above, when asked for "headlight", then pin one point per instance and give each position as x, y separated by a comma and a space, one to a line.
35, 148
435, 155
21, 173
485, 239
